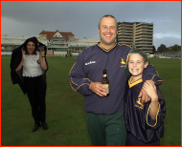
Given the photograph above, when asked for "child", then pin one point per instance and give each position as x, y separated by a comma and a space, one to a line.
144, 122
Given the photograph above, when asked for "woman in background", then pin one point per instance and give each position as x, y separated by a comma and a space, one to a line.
28, 69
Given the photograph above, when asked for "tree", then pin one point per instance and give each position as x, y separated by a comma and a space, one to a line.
154, 50
162, 48
176, 48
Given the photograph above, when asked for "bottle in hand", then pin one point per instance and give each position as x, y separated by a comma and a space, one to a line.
105, 81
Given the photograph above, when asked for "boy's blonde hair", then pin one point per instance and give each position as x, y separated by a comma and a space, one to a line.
139, 51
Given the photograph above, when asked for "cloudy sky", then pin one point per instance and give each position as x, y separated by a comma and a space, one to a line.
81, 18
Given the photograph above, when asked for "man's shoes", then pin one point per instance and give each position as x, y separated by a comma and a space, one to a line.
35, 127
44, 125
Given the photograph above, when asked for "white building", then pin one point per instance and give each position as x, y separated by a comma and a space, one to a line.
57, 42
77, 45
11, 41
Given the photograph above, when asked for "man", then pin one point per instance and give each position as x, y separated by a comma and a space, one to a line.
105, 114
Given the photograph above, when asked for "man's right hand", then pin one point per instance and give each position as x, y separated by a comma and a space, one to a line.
98, 88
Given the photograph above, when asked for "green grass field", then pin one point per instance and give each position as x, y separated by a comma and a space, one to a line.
66, 116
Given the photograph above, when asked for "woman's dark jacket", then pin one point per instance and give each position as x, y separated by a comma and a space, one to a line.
16, 76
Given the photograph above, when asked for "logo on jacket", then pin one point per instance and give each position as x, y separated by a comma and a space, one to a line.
122, 62
139, 104
91, 62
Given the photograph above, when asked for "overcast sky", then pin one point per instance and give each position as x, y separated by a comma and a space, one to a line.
81, 18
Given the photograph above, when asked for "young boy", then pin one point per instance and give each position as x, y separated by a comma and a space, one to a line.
144, 122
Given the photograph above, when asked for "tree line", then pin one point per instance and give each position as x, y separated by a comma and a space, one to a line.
163, 48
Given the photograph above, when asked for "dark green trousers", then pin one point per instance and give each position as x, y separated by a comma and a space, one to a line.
107, 130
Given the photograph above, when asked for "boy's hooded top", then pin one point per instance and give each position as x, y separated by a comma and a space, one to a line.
16, 76
137, 118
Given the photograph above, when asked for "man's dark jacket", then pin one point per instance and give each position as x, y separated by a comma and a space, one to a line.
16, 76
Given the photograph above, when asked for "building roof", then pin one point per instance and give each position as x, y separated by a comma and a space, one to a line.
133, 22
51, 34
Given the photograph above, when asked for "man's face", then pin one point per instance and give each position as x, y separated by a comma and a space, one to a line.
108, 30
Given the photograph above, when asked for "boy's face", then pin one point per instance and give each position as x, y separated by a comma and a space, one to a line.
136, 65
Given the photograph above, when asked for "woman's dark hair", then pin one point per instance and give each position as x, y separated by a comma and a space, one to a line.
25, 47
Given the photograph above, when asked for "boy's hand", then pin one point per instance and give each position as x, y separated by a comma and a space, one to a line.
151, 90
143, 93
144, 96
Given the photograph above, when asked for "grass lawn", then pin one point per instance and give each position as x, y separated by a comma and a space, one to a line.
66, 116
